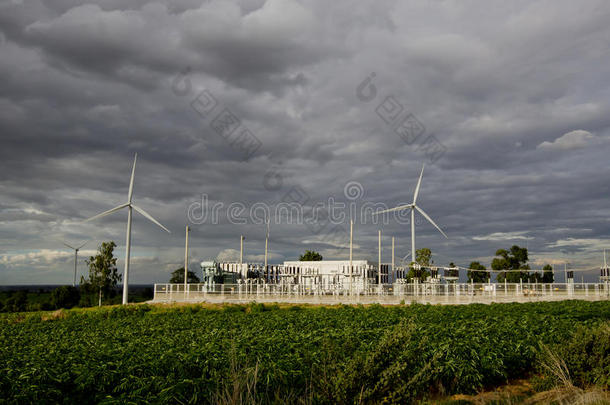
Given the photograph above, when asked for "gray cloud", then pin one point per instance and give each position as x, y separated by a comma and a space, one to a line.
515, 92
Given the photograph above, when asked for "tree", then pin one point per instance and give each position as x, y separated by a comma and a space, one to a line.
65, 296
513, 259
423, 257
17, 302
454, 272
310, 256
103, 275
178, 277
477, 276
547, 274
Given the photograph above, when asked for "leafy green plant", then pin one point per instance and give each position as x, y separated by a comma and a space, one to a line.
267, 354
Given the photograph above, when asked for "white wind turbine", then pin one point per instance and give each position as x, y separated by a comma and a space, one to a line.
413, 206
129, 205
76, 249
404, 259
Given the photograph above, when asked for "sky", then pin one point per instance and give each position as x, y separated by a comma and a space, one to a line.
280, 109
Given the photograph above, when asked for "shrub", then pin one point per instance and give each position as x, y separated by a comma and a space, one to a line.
587, 356
65, 297
17, 302
256, 307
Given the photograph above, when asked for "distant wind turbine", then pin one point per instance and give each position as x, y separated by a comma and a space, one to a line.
76, 249
413, 206
129, 205
404, 259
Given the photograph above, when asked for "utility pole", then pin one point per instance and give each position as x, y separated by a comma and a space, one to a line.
186, 259
351, 241
266, 245
241, 249
392, 257
379, 266
241, 255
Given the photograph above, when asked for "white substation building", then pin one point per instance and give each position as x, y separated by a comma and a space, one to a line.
337, 278
325, 274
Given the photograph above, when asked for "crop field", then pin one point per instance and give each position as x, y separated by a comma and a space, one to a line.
289, 354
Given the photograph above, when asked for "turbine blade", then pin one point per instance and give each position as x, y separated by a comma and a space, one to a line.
103, 214
71, 247
430, 220
133, 173
401, 207
84, 243
147, 215
418, 184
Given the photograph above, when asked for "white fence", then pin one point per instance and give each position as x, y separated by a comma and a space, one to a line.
387, 293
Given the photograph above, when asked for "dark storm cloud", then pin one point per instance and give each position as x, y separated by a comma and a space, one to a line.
516, 93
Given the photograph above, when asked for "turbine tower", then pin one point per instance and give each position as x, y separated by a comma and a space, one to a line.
413, 206
129, 205
76, 249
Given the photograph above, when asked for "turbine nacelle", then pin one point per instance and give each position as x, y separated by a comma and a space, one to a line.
76, 248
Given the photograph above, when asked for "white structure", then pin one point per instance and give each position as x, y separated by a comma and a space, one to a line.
328, 273
328, 281
186, 256
129, 205
413, 206
76, 249
604, 275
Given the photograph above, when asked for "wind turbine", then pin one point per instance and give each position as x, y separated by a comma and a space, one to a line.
404, 259
413, 206
76, 249
129, 205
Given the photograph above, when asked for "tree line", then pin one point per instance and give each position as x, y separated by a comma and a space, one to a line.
98, 288
514, 259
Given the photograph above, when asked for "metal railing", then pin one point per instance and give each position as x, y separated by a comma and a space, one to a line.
251, 291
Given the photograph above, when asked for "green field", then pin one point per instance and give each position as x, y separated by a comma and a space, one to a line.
272, 354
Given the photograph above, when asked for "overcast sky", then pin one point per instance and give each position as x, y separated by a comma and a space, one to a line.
508, 106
